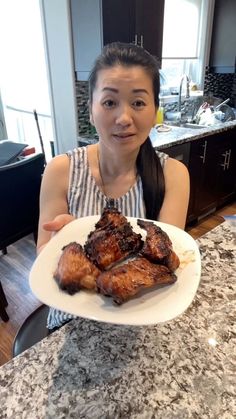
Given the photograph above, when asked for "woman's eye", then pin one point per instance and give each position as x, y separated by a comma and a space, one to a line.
139, 103
109, 103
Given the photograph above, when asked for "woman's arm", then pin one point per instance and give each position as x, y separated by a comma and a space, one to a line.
175, 206
53, 199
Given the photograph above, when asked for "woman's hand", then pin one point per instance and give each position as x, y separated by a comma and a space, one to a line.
59, 221
56, 225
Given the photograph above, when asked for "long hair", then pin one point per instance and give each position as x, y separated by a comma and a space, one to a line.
148, 163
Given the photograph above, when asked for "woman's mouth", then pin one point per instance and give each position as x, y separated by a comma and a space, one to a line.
123, 135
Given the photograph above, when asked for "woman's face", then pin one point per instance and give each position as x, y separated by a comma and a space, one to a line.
123, 109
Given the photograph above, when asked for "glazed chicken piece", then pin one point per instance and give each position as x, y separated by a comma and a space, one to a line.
171, 261
112, 241
158, 246
125, 281
75, 271
111, 216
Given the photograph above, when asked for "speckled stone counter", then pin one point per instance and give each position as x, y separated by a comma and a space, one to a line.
185, 368
176, 135
179, 135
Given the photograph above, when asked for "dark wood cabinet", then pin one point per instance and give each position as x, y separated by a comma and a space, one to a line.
96, 23
226, 167
136, 21
118, 21
202, 170
179, 152
212, 169
211, 162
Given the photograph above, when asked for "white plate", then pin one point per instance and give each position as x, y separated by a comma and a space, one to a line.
151, 307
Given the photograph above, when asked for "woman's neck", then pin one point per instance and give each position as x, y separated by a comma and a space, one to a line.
116, 174
115, 165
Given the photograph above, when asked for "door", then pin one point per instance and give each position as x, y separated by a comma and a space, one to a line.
203, 170
118, 21
149, 25
135, 21
226, 167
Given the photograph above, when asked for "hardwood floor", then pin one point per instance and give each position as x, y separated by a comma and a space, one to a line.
14, 272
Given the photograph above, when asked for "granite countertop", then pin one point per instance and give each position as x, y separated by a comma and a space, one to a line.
185, 368
179, 135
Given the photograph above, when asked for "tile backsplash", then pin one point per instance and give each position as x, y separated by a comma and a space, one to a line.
221, 85
85, 128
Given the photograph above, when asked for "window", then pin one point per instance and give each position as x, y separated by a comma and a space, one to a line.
23, 78
187, 29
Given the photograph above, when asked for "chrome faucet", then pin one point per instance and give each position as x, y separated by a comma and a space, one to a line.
180, 90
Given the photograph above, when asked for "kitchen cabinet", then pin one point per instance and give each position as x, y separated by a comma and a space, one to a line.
226, 174
223, 50
96, 23
179, 152
211, 162
202, 170
212, 169
135, 21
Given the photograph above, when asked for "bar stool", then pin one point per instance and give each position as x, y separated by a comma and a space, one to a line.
32, 330
3, 304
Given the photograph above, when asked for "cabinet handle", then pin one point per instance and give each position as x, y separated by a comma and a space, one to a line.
228, 160
225, 155
141, 41
204, 152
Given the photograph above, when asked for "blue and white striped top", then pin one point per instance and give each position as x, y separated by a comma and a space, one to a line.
86, 198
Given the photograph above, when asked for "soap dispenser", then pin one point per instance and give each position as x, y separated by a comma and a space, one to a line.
160, 112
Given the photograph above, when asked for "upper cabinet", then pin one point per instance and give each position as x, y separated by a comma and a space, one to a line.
223, 44
136, 21
98, 22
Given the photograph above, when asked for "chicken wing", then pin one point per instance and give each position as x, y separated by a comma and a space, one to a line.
112, 240
75, 270
125, 281
158, 246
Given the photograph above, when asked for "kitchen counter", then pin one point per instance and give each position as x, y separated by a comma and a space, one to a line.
179, 135
184, 368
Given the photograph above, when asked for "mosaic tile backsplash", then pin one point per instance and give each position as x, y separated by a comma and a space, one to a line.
221, 85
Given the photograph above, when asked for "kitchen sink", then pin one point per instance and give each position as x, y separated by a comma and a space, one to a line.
189, 125
192, 126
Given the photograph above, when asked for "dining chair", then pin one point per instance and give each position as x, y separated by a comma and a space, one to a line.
19, 190
3, 304
32, 330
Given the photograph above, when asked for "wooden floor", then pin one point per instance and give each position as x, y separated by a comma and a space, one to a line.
14, 272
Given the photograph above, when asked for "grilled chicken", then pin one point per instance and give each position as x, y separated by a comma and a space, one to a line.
171, 261
75, 270
111, 216
158, 246
123, 282
112, 240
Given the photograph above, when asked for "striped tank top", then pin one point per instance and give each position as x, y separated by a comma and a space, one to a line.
86, 198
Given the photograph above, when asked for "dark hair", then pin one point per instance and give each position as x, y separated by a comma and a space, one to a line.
148, 163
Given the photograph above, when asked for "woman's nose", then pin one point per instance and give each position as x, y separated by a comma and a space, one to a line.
124, 116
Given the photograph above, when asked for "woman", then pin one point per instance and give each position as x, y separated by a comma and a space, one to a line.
122, 169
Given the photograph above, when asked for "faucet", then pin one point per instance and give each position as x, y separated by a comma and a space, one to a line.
180, 91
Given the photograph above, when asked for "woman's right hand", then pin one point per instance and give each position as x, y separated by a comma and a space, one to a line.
56, 225
59, 221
